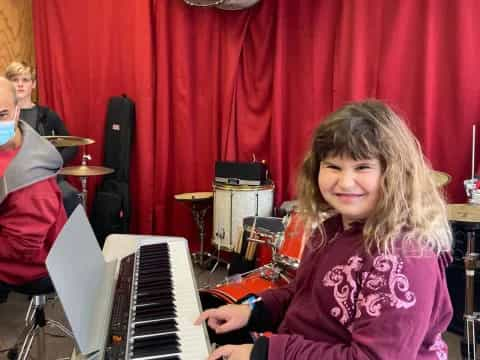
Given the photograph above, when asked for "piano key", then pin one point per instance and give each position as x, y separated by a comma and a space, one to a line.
157, 315
160, 304
155, 326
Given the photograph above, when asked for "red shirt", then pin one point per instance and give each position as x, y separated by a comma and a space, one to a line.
6, 157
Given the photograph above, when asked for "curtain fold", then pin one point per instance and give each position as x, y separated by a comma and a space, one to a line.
224, 85
87, 52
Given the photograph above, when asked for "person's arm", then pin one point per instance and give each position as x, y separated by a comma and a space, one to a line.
398, 306
25, 219
56, 124
268, 314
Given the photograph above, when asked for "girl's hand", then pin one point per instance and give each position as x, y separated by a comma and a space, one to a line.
232, 352
225, 318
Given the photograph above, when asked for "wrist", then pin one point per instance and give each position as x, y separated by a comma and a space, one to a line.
251, 301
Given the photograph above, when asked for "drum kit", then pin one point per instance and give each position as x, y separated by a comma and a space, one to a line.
83, 171
286, 245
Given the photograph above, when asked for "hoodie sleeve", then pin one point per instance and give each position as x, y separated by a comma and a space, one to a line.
269, 313
401, 309
27, 216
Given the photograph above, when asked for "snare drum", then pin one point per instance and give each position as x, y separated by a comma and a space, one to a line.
233, 203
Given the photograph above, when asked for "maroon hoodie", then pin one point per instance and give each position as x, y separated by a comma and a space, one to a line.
31, 208
346, 304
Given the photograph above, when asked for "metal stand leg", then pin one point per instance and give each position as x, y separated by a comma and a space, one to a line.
472, 263
83, 179
35, 325
83, 194
199, 213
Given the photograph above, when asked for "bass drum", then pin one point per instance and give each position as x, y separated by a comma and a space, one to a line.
233, 292
231, 204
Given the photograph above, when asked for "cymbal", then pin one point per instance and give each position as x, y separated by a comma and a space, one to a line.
463, 212
85, 170
64, 141
194, 196
441, 178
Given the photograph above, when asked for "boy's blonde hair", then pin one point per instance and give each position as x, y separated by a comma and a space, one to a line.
17, 68
410, 204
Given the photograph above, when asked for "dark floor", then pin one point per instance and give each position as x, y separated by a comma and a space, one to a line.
13, 311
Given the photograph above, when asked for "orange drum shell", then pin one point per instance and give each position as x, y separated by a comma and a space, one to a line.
292, 244
253, 283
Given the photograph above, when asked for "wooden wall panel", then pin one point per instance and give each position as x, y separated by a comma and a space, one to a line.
16, 32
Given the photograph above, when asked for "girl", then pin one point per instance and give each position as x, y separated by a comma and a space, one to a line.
371, 284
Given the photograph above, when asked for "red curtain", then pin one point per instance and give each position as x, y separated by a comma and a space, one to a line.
88, 51
213, 84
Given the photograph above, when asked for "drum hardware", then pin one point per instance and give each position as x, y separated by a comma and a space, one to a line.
267, 272
251, 247
472, 318
280, 263
472, 185
200, 203
271, 272
471, 323
260, 236
83, 171
269, 229
287, 261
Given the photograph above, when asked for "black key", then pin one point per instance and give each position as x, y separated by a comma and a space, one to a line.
155, 327
152, 309
153, 305
161, 314
156, 350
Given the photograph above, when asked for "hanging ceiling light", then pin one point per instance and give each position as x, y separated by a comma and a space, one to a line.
236, 4
204, 2
223, 4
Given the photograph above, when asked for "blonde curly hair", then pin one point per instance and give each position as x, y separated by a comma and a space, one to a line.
410, 203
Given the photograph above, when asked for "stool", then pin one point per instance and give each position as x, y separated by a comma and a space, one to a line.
35, 321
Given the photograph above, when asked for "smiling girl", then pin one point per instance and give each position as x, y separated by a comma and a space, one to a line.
371, 284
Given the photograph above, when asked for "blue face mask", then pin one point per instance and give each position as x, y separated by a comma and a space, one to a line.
7, 131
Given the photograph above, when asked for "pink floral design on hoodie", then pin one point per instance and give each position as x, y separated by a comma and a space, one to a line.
385, 286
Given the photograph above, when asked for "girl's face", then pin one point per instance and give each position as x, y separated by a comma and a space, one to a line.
351, 187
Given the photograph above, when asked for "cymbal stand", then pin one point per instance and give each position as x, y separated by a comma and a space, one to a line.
198, 213
83, 179
472, 318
